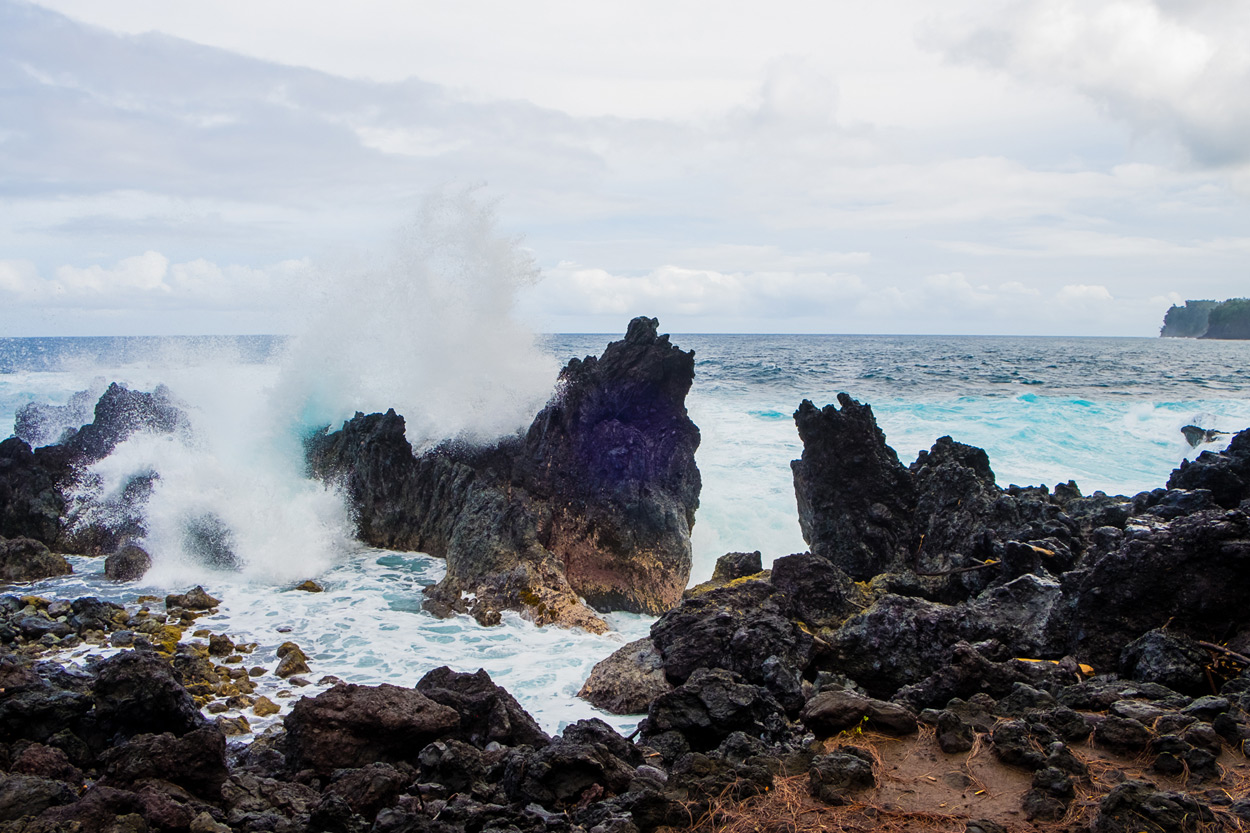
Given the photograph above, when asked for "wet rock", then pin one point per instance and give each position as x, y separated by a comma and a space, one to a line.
137, 693
291, 660
855, 498
595, 501
711, 705
847, 770
628, 680
1196, 435
127, 564
486, 713
352, 725
194, 599
1225, 474
25, 559
31, 505
310, 586
1140, 807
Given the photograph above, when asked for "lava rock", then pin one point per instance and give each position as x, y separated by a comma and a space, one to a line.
855, 498
1160, 656
486, 713
1185, 575
846, 770
1140, 807
137, 692
831, 712
25, 559
628, 680
354, 725
595, 501
1225, 474
711, 705
127, 564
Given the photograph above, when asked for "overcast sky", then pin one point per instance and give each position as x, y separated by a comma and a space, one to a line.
971, 166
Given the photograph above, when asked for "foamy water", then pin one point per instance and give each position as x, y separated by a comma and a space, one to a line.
244, 467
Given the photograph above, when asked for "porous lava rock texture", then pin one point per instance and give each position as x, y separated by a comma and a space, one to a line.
595, 501
855, 498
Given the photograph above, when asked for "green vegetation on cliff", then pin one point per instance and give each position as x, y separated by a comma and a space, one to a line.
1230, 319
1208, 319
1189, 321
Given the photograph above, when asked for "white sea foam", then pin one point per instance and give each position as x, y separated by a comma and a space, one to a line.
427, 330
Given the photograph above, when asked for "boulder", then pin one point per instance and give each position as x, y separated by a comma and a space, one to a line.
354, 725
856, 500
846, 770
1141, 807
711, 705
138, 693
1159, 656
588, 760
31, 505
628, 680
595, 501
486, 713
25, 559
127, 564
1185, 574
737, 627
831, 712
30, 795
1225, 474
196, 761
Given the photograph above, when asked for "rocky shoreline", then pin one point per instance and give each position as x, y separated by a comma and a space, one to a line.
948, 655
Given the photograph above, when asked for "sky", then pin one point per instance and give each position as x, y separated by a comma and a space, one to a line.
1051, 167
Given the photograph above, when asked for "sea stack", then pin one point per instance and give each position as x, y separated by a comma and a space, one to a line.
595, 501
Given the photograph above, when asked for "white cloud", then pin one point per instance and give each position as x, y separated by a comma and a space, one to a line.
1083, 294
1178, 68
150, 281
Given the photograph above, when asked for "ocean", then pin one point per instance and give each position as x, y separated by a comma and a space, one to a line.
1105, 412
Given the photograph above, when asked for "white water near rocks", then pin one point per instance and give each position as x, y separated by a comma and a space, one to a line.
1106, 412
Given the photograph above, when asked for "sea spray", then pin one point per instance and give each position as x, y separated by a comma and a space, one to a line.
229, 494
427, 330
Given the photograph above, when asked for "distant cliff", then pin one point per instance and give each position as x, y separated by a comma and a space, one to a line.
1208, 319
1230, 319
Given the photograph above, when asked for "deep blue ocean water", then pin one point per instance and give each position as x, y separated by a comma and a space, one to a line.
1105, 412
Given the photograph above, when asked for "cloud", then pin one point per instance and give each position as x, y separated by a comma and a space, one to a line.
150, 281
1179, 69
1084, 294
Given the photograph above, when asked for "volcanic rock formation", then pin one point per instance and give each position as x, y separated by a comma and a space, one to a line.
596, 500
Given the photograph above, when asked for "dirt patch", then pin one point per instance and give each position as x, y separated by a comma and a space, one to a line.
924, 790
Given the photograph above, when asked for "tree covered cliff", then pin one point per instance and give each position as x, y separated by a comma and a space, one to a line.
1208, 319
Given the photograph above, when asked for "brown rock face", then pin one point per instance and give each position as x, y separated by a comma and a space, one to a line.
595, 501
354, 725
627, 681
